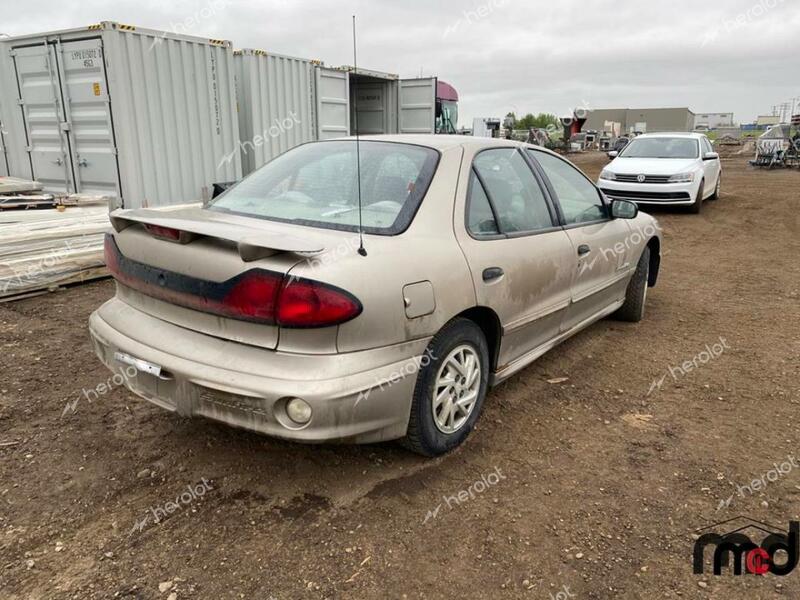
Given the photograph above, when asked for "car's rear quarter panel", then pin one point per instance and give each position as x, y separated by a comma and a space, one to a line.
426, 251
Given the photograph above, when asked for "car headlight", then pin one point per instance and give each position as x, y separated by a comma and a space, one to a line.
682, 178
607, 175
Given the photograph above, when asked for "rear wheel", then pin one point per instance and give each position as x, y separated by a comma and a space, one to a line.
450, 389
636, 294
698, 202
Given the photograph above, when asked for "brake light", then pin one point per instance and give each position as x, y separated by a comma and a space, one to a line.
257, 295
167, 233
306, 303
111, 254
254, 297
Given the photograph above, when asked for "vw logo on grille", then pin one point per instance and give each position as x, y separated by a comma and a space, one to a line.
640, 178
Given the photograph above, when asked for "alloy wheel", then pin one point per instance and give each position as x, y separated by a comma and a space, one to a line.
455, 392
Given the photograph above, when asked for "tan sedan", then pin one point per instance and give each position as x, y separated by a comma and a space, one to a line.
264, 309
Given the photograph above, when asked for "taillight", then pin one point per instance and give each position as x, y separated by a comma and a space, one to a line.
257, 295
167, 233
253, 296
111, 254
306, 303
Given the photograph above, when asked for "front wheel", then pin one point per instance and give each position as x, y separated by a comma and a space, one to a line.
450, 389
717, 189
698, 202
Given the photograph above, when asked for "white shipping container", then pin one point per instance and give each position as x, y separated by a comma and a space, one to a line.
3, 154
385, 103
275, 96
4, 133
143, 115
287, 101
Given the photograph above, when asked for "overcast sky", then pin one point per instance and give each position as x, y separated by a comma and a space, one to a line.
503, 55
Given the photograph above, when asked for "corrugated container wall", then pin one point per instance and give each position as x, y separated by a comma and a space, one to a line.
5, 134
275, 96
145, 115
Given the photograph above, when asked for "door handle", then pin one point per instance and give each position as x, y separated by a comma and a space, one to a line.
492, 273
583, 249
58, 161
83, 162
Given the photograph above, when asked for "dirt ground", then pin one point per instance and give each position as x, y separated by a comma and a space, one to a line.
590, 487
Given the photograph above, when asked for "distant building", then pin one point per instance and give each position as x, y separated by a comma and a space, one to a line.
766, 120
713, 120
640, 120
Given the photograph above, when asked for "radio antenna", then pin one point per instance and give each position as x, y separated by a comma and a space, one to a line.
361, 250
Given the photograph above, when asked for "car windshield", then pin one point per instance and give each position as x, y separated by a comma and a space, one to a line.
317, 184
661, 147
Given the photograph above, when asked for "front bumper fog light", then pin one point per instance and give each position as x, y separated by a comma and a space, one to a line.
298, 411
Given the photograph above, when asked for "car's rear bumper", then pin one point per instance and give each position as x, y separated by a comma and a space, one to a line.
357, 397
650, 193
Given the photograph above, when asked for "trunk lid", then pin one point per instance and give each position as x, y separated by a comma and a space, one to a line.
213, 248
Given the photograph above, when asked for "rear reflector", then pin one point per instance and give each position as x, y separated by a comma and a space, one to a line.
257, 295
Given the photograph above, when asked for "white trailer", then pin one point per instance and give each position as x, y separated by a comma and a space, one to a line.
145, 116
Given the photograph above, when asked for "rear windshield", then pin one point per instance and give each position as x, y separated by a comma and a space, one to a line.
317, 184
661, 147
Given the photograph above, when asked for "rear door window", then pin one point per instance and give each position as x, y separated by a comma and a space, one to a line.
509, 185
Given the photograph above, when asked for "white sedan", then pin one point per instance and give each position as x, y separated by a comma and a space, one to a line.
664, 168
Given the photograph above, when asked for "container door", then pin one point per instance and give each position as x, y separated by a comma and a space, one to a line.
3, 151
333, 103
417, 105
82, 72
43, 114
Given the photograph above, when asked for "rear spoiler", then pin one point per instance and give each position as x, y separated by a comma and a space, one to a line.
252, 243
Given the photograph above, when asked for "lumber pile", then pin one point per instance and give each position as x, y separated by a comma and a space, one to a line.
43, 249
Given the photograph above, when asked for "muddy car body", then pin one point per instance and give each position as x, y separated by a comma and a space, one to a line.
262, 310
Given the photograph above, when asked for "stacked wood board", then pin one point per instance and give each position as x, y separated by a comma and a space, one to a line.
46, 248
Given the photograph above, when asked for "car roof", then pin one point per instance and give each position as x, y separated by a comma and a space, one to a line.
446, 142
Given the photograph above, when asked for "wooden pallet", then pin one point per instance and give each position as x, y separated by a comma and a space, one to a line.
46, 249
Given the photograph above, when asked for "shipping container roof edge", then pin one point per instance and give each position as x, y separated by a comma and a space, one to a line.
256, 52
367, 72
112, 25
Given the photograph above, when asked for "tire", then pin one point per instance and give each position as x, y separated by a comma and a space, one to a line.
715, 195
698, 202
425, 436
636, 294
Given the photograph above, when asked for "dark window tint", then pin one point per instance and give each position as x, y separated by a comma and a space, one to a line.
579, 199
480, 219
512, 189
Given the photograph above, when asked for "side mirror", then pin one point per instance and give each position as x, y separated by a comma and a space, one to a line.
623, 209
613, 154
710, 156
